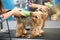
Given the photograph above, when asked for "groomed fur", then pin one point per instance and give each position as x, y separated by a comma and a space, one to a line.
36, 21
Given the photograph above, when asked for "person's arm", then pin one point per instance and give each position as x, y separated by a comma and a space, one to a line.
7, 15
15, 12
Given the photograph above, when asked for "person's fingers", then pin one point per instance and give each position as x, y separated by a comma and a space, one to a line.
22, 14
18, 11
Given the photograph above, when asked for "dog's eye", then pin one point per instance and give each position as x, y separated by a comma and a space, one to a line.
40, 9
35, 16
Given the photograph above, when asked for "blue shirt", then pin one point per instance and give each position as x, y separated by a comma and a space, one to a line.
8, 4
57, 2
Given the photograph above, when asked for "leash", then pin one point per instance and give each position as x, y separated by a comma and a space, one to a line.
8, 30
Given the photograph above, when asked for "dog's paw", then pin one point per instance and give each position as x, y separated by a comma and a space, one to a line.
41, 31
29, 36
18, 35
24, 32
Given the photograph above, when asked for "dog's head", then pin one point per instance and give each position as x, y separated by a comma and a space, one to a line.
36, 17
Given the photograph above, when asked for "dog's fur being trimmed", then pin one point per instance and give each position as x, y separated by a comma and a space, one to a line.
36, 21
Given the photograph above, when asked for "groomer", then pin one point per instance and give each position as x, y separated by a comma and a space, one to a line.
14, 11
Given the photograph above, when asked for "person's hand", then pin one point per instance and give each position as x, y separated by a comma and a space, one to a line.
44, 9
17, 12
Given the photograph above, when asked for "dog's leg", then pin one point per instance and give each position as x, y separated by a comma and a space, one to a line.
35, 32
44, 17
19, 30
24, 29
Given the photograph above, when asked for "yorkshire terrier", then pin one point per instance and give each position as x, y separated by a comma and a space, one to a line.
36, 21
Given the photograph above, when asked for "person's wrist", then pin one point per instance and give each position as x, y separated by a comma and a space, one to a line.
15, 12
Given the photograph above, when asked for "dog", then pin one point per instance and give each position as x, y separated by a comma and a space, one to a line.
36, 21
